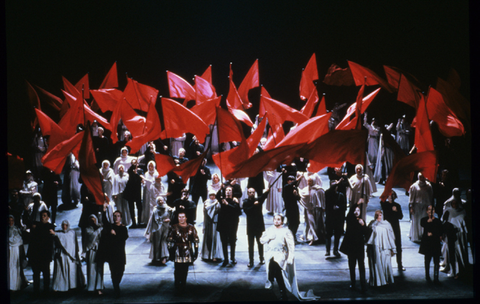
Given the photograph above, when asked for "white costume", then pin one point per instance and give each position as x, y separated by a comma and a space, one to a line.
126, 161
176, 144
280, 247
107, 180
121, 204
360, 185
313, 200
211, 245
157, 232
457, 218
16, 277
149, 194
305, 176
274, 201
382, 244
29, 188
94, 270
421, 195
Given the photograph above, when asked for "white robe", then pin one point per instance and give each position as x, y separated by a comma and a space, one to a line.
94, 270
157, 232
74, 183
382, 240
65, 276
125, 161
29, 188
457, 218
373, 135
280, 246
305, 176
107, 181
211, 245
176, 144
420, 198
16, 277
149, 192
360, 185
274, 201
121, 204
313, 200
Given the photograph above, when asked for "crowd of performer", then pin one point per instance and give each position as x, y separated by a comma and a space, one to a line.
135, 197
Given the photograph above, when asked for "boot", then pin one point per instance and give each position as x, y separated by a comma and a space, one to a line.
328, 243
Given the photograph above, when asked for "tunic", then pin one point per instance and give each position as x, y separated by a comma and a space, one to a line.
125, 161
280, 247
212, 244
67, 273
74, 175
184, 243
274, 203
119, 184
380, 247
360, 185
313, 200
457, 218
149, 198
16, 277
94, 267
107, 181
157, 231
420, 198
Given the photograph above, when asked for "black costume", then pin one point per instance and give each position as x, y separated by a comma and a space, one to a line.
257, 183
189, 207
228, 218
183, 246
291, 207
393, 217
335, 206
353, 246
133, 192
175, 188
198, 186
255, 224
40, 254
431, 245
52, 183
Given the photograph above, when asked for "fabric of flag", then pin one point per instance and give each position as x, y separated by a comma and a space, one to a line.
347, 122
322, 107
261, 109
54, 101
33, 96
16, 169
438, 111
177, 119
307, 132
204, 90
233, 98
250, 81
279, 112
73, 116
454, 79
403, 171
454, 100
393, 76
50, 128
207, 110
55, 158
423, 135
70, 88
309, 75
408, 92
89, 173
123, 110
309, 106
90, 116
107, 99
334, 148
111, 79
152, 130
229, 128
84, 84
241, 116
207, 75
359, 73
275, 136
190, 168
165, 164
179, 87
338, 77
139, 96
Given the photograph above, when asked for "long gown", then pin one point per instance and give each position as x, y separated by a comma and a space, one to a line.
212, 244
121, 204
94, 269
157, 231
67, 273
274, 203
420, 198
149, 192
457, 218
74, 183
360, 185
372, 141
313, 200
176, 144
125, 161
107, 181
16, 277
381, 244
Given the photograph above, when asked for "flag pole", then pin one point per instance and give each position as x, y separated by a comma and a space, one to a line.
83, 107
218, 135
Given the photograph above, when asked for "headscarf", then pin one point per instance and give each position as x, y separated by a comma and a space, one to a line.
105, 171
148, 167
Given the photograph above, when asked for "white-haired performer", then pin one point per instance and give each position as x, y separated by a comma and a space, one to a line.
361, 188
421, 195
119, 183
280, 260
157, 231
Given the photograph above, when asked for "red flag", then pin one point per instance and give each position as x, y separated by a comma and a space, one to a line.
408, 92
16, 169
190, 168
83, 83
107, 99
307, 132
179, 87
423, 135
338, 76
279, 112
70, 88
309, 74
204, 90
322, 107
233, 98
307, 109
275, 136
55, 158
393, 76
334, 148
152, 130
49, 127
111, 80
33, 96
437, 110
206, 111
139, 96
178, 120
136, 125
73, 116
165, 164
347, 123
207, 75
250, 81
402, 172
454, 79
255, 137
359, 73
53, 100
454, 100
89, 173
229, 128
91, 116
241, 116
261, 110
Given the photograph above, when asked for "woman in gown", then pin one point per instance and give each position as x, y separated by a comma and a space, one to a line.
212, 245
157, 231
67, 273
380, 249
16, 277
119, 184
216, 184
94, 267
124, 160
149, 198
313, 200
274, 203
107, 178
